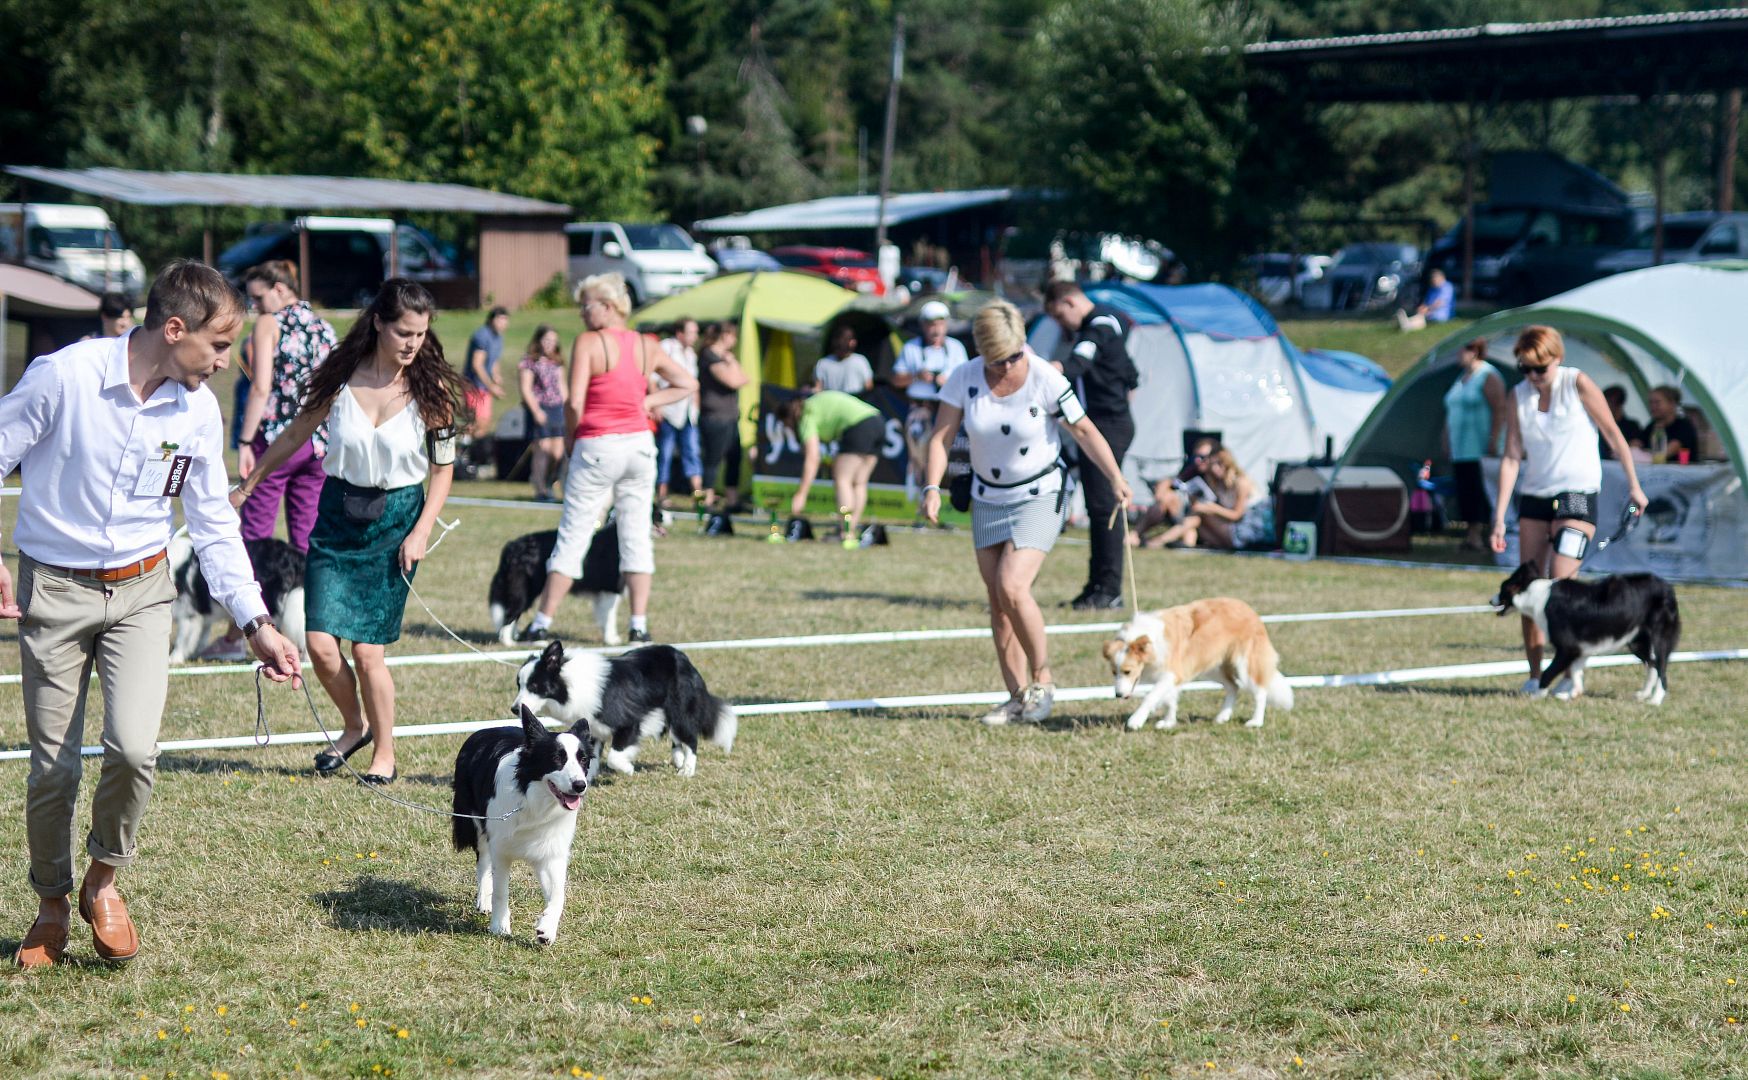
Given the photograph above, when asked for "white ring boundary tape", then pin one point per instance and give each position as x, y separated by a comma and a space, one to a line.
1076, 693
814, 641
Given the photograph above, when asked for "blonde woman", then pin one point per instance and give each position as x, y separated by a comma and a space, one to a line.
1236, 517
609, 420
1011, 402
1553, 462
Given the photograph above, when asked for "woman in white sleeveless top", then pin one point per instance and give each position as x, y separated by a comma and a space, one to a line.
1552, 462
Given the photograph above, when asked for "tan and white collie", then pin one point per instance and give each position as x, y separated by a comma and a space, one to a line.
1221, 639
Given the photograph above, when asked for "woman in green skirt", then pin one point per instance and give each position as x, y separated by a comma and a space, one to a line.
390, 400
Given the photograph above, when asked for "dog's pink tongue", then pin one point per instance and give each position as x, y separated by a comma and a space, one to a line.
569, 802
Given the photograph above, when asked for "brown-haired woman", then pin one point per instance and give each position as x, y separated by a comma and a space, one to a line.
390, 400
541, 377
720, 378
1551, 460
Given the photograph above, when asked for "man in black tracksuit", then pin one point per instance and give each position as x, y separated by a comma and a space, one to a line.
1103, 376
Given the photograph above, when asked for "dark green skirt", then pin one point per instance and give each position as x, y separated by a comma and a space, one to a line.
352, 584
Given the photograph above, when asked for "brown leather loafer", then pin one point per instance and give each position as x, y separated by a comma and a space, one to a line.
112, 929
43, 946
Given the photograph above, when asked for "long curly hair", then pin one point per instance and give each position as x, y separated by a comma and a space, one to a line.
437, 388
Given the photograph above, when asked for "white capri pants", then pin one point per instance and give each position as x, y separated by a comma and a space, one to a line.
619, 467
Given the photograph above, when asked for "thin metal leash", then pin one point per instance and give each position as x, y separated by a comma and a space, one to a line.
264, 735
447, 526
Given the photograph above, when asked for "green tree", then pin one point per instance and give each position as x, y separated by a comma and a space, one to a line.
1141, 120
535, 97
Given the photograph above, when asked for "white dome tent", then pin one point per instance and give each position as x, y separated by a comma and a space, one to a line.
1685, 326
1211, 359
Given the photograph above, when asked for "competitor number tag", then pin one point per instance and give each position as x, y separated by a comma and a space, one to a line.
160, 478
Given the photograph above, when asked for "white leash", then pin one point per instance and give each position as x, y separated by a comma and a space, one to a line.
447, 527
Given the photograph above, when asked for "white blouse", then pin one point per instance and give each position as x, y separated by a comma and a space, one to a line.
1016, 437
1559, 446
366, 455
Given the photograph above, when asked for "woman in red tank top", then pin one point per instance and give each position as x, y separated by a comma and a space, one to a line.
613, 454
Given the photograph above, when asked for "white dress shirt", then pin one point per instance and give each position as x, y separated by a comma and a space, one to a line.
82, 436
387, 455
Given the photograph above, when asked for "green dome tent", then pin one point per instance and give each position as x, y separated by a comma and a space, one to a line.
1680, 325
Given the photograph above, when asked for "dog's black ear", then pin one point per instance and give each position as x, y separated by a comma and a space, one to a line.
532, 729
552, 657
585, 739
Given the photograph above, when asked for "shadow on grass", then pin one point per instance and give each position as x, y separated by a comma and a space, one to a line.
376, 903
898, 599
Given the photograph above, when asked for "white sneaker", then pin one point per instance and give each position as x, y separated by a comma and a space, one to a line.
1036, 702
1532, 686
1005, 713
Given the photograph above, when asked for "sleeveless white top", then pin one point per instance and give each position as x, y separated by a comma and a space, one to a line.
365, 455
1559, 446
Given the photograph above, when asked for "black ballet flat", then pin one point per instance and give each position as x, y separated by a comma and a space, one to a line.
328, 762
379, 780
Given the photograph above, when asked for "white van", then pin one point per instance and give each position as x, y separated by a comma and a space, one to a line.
657, 260
69, 241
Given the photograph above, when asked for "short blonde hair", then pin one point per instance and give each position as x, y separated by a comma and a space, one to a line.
998, 330
1539, 346
609, 288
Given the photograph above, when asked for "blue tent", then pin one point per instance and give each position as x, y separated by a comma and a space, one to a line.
1212, 359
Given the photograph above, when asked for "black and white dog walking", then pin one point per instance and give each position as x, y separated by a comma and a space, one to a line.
539, 778
194, 617
1582, 619
521, 576
624, 699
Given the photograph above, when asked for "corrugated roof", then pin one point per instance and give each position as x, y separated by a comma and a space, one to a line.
283, 192
1666, 21
852, 211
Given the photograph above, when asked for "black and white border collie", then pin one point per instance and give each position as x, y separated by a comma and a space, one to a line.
521, 576
624, 699
542, 777
1582, 619
195, 616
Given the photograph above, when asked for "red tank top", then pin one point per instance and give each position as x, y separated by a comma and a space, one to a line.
615, 402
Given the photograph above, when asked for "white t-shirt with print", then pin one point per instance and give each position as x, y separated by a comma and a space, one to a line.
851, 374
1013, 437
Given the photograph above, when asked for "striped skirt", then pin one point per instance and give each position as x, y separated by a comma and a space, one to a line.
1033, 523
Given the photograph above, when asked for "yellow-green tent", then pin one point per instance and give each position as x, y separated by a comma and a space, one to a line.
772, 308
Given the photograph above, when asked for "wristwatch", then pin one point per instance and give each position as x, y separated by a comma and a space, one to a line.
255, 624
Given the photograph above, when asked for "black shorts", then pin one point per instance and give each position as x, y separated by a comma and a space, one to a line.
863, 437
1567, 505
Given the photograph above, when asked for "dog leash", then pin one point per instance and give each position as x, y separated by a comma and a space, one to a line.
1629, 521
1128, 558
447, 526
264, 735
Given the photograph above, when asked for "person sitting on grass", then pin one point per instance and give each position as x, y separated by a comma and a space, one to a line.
1174, 493
1235, 518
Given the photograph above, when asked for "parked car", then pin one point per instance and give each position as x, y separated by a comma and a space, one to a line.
1281, 278
70, 242
1366, 275
1695, 237
924, 280
1525, 253
738, 260
656, 260
848, 267
349, 256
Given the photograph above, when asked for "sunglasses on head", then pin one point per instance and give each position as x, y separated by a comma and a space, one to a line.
1533, 369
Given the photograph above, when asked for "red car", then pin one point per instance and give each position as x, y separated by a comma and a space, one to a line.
855, 270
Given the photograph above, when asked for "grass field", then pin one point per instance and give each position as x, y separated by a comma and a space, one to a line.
1428, 880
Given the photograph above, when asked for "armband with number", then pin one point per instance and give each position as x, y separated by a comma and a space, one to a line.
440, 445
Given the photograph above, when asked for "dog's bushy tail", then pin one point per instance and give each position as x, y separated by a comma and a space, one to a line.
721, 724
1280, 694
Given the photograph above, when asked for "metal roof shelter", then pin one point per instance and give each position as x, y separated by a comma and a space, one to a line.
1644, 57
521, 240
853, 211
54, 312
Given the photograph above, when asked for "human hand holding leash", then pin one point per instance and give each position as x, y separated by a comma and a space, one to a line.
278, 656
413, 549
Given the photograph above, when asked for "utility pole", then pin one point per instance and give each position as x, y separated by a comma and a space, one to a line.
891, 129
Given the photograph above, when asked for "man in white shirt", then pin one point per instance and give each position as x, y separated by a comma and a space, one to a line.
922, 368
110, 431
843, 368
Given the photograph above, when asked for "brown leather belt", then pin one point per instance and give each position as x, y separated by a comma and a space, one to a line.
119, 573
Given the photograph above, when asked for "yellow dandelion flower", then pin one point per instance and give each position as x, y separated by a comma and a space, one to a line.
187, 1008
402, 1034
162, 1034
1729, 982
697, 1018
1455, 1036
646, 1000
360, 1022
1625, 1007
222, 1009
575, 1071
1572, 999
1299, 1061
354, 1007
303, 1006
291, 1022
186, 1030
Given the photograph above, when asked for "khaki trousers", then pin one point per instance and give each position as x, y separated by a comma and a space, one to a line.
72, 626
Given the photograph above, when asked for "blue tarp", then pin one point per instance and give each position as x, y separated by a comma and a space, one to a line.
1345, 370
